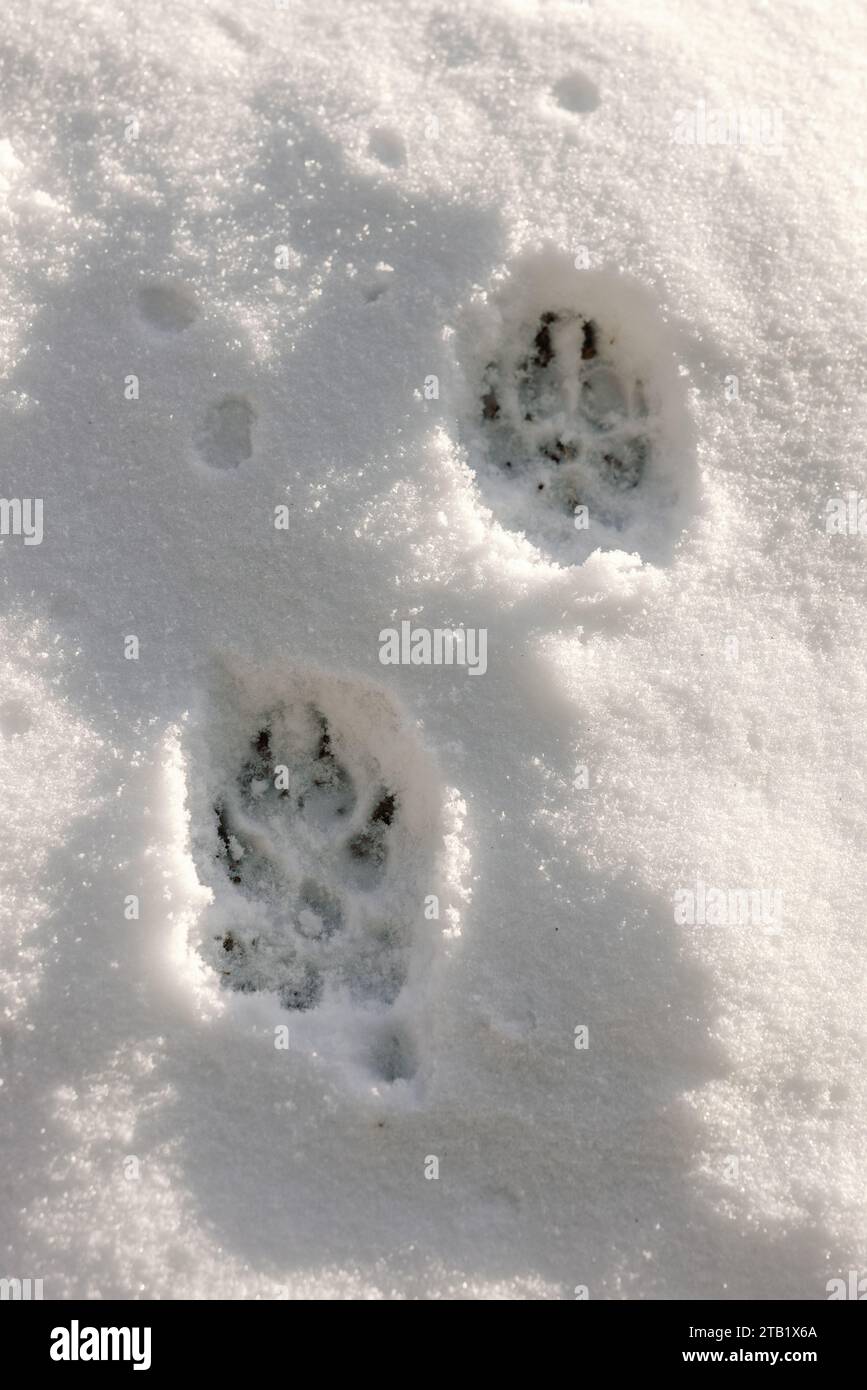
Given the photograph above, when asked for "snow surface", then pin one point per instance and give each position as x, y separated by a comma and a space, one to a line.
283, 220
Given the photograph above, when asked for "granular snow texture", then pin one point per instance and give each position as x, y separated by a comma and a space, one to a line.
328, 977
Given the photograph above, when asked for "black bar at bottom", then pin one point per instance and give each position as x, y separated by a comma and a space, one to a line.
159, 1339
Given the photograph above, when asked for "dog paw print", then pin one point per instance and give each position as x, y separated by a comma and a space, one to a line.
562, 417
578, 423
564, 421
292, 833
320, 865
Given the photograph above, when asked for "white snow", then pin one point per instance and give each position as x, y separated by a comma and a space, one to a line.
257, 261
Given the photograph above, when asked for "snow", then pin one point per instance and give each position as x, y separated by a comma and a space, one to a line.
260, 266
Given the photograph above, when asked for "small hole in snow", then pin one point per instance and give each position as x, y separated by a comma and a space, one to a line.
576, 93
226, 439
168, 307
387, 146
